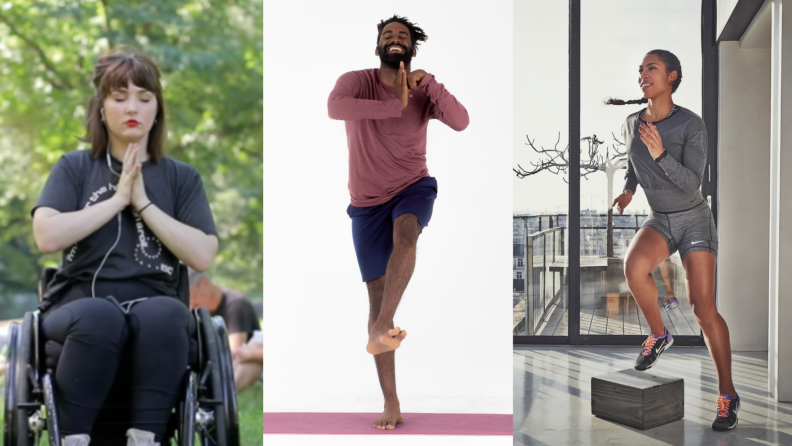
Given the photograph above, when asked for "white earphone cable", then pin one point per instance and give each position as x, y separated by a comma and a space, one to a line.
118, 236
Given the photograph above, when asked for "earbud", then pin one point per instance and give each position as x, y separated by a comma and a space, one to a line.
101, 112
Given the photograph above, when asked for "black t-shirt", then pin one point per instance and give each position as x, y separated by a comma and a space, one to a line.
78, 181
238, 313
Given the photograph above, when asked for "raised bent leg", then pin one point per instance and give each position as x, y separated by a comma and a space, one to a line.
382, 336
386, 369
700, 270
646, 251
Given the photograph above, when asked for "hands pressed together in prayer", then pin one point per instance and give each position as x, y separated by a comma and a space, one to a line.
407, 82
131, 188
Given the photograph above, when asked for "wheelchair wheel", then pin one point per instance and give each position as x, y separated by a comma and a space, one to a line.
186, 412
227, 373
16, 431
217, 404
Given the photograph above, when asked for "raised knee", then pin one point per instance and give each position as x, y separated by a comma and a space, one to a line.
634, 269
406, 229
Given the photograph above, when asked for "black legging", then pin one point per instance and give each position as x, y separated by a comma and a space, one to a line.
130, 365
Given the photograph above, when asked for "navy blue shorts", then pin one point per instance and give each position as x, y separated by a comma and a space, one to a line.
372, 227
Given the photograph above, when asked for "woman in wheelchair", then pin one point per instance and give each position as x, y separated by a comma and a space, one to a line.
123, 215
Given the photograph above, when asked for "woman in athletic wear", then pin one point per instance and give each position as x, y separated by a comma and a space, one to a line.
667, 151
123, 216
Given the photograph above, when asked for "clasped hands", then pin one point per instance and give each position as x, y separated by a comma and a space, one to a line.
131, 189
407, 82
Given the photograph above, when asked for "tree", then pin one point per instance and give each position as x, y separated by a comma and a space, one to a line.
211, 59
556, 161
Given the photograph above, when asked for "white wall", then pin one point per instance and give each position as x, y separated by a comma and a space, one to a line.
457, 357
744, 167
781, 306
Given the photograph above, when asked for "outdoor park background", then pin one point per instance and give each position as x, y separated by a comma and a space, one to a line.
210, 57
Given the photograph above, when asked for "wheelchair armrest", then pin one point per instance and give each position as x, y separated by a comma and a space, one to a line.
46, 277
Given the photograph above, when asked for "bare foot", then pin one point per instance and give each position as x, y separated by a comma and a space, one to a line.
381, 341
390, 417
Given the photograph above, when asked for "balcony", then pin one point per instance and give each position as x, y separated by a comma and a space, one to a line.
606, 305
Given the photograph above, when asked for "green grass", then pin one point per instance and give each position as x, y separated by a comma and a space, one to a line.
250, 409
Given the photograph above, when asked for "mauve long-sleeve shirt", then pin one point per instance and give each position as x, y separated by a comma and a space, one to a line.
387, 145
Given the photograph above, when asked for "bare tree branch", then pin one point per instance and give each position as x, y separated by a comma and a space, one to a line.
556, 161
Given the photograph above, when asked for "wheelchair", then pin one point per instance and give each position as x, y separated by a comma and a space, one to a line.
206, 409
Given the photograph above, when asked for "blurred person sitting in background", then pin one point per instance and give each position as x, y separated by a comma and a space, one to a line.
244, 331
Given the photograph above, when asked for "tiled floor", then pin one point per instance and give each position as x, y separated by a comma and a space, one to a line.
552, 399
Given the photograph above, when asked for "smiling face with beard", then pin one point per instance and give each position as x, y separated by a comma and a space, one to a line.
395, 46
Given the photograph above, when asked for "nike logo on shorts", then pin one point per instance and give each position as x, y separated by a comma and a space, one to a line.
693, 243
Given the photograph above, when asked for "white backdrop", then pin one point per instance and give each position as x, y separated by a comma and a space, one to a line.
457, 356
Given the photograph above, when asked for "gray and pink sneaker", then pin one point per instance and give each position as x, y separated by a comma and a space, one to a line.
670, 304
727, 412
653, 346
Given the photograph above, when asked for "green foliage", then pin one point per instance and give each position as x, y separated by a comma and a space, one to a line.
210, 55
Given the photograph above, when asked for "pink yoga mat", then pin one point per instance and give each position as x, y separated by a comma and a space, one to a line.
361, 424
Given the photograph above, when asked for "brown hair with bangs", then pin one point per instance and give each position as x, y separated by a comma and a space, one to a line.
114, 71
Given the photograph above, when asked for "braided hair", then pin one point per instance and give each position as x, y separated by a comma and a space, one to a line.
672, 64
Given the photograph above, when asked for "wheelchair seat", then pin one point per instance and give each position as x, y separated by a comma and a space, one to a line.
207, 407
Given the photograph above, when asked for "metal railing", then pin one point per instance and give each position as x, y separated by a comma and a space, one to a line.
543, 239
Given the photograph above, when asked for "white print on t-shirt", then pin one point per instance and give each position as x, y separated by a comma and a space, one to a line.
95, 195
72, 253
149, 249
98, 193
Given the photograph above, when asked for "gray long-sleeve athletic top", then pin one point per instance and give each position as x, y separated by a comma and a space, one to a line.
673, 184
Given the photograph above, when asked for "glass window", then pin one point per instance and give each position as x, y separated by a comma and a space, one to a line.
609, 68
541, 72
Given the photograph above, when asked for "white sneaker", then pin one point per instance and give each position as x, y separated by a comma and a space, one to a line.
76, 440
137, 437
